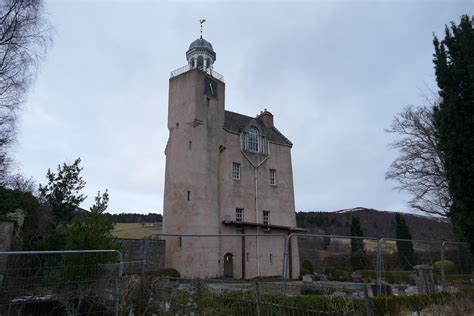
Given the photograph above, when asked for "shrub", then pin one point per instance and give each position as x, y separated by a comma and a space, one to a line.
304, 271
395, 305
449, 266
170, 272
388, 276
338, 274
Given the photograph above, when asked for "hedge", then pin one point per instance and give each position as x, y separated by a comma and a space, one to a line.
245, 303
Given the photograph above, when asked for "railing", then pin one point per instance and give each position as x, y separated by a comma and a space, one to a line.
187, 68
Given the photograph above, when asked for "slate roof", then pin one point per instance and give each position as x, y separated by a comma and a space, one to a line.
235, 122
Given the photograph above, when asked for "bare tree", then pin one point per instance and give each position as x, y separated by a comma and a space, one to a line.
420, 168
24, 38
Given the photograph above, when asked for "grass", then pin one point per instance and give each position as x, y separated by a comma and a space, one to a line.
134, 230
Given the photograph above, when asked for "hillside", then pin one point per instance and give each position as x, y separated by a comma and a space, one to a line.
374, 223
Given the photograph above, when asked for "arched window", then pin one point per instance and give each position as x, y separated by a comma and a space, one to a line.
253, 139
200, 62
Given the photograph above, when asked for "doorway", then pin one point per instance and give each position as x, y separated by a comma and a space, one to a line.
228, 265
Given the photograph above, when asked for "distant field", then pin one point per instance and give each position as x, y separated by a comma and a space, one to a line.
134, 230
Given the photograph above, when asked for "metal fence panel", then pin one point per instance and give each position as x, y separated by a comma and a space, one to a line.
86, 282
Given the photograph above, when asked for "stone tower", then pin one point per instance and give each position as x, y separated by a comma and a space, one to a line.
226, 173
195, 120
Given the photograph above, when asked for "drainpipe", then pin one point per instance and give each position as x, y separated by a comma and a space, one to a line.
256, 203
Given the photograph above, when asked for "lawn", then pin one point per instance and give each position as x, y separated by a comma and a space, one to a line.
134, 230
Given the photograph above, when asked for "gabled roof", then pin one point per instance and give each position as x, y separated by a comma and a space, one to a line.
235, 122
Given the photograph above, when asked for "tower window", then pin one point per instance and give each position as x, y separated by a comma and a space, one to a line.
190, 144
272, 177
271, 259
239, 214
189, 195
266, 217
236, 171
253, 139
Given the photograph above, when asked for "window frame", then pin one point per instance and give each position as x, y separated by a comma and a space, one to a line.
266, 217
239, 215
235, 172
253, 140
272, 177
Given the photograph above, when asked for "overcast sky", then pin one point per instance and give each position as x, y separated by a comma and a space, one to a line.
333, 74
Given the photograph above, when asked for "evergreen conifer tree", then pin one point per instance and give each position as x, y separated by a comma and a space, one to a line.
358, 255
406, 255
454, 118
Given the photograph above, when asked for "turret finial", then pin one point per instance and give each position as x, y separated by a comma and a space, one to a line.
202, 22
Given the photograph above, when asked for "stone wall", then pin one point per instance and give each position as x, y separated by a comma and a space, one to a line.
133, 251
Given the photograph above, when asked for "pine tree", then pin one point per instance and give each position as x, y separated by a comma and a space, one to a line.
92, 230
454, 118
358, 255
406, 255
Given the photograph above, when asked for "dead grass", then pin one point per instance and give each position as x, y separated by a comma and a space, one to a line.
134, 230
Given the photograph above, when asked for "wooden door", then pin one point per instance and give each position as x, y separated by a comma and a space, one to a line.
228, 265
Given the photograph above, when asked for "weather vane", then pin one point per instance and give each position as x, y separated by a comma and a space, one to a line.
202, 22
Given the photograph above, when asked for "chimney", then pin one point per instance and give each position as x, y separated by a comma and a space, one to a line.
266, 118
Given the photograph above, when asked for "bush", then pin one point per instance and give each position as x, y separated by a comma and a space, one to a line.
388, 276
395, 305
304, 271
449, 267
308, 265
338, 274
170, 272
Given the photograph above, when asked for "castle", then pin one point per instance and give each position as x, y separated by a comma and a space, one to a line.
226, 173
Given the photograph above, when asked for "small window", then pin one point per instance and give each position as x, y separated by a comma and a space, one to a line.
189, 195
266, 217
272, 177
271, 259
239, 214
236, 171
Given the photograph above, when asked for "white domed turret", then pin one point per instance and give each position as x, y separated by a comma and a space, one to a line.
201, 54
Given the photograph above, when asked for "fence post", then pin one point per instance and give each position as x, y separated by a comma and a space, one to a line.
443, 273
118, 283
257, 291
285, 263
379, 266
145, 255
199, 303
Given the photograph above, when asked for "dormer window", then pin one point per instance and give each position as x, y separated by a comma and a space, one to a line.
253, 141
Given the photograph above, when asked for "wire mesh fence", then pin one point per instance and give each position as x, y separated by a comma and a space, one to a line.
232, 274
83, 282
173, 296
386, 265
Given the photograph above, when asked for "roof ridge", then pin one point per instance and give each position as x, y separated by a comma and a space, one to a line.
235, 122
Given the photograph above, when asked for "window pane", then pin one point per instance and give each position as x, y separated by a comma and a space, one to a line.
272, 177
236, 171
253, 139
239, 215
266, 217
